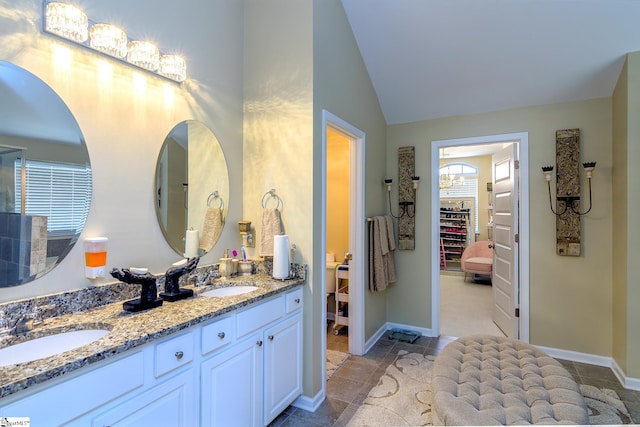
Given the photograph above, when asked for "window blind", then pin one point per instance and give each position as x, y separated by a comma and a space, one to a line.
59, 191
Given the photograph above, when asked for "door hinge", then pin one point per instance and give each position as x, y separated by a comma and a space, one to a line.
516, 164
517, 312
517, 238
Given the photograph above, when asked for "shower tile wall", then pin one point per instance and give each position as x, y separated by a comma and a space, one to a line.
23, 246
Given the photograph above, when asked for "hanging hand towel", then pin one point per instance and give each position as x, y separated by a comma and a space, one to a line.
391, 243
211, 229
271, 226
381, 254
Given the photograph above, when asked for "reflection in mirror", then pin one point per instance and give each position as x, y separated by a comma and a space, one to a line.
45, 177
192, 188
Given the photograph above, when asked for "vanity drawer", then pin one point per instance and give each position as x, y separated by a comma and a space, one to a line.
174, 353
61, 403
294, 301
217, 334
254, 318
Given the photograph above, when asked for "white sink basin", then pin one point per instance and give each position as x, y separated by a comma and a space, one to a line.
38, 348
229, 291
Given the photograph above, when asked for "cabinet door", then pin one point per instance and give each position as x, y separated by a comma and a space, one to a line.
168, 404
232, 386
282, 366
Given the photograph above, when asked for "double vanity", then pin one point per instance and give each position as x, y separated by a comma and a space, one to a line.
231, 355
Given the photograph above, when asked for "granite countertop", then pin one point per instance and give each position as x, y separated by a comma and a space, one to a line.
129, 330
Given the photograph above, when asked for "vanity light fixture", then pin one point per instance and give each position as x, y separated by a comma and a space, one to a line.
143, 54
109, 39
66, 20
70, 23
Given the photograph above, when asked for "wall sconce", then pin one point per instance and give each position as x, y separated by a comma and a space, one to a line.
244, 227
567, 210
569, 200
404, 205
71, 24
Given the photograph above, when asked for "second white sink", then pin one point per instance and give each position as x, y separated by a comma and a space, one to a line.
229, 291
38, 348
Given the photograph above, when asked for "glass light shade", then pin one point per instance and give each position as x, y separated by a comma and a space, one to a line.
109, 39
173, 67
67, 21
143, 54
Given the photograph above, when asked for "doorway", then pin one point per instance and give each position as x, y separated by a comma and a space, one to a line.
352, 141
520, 140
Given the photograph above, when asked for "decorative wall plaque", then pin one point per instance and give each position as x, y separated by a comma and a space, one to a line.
406, 198
567, 190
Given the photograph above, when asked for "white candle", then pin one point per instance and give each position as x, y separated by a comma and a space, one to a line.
191, 243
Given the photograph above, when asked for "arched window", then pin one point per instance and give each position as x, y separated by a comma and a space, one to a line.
460, 181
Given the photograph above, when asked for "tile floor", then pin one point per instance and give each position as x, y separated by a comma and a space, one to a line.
349, 386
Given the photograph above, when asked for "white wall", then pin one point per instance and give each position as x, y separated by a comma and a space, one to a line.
124, 124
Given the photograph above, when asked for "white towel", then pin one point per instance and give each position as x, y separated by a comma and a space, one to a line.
211, 228
271, 226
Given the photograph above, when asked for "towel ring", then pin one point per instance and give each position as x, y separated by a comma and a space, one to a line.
215, 196
271, 194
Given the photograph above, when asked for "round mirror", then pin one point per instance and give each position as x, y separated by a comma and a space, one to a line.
192, 188
45, 177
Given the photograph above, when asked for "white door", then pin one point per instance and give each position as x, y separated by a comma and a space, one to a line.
505, 253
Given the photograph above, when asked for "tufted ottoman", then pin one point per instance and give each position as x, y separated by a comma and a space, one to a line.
487, 380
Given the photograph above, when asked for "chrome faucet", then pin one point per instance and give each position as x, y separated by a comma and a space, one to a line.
27, 322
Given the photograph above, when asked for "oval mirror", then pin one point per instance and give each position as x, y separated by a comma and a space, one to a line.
192, 188
45, 177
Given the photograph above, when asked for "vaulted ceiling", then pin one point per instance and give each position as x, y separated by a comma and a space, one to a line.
438, 58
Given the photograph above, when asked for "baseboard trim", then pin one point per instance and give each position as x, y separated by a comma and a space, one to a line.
374, 339
310, 403
576, 356
628, 383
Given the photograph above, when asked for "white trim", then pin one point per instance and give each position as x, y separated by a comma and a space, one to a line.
628, 383
522, 140
357, 221
575, 356
310, 404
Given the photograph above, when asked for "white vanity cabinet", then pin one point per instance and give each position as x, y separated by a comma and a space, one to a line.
240, 369
254, 380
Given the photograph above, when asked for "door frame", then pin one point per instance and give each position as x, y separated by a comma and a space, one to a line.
521, 139
357, 221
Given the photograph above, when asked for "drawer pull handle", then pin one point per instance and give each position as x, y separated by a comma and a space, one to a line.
179, 355
270, 337
221, 335
297, 300
259, 343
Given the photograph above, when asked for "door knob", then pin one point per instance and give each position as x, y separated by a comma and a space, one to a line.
491, 246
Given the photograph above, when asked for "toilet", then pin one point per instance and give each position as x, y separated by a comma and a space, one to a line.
331, 274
